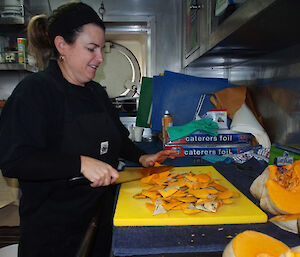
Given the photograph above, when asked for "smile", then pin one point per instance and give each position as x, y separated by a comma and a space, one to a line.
93, 66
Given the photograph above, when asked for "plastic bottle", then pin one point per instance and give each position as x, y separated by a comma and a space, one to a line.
167, 121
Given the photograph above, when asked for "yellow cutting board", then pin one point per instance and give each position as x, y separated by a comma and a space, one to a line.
133, 212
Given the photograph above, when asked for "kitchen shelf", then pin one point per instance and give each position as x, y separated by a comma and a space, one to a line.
12, 13
17, 66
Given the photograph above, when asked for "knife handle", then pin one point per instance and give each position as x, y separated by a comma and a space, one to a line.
80, 180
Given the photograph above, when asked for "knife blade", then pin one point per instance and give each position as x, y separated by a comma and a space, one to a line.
124, 176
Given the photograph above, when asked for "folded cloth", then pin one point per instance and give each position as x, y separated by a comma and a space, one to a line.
206, 125
230, 98
216, 158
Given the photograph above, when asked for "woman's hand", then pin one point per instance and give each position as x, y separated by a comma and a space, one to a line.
148, 160
98, 172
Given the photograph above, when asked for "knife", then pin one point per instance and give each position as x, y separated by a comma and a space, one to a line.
128, 175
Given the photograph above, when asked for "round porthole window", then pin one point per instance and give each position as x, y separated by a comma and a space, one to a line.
120, 72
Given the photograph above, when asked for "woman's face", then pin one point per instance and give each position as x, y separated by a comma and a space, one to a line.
82, 58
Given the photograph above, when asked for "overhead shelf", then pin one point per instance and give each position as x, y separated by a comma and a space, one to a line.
256, 28
12, 13
17, 66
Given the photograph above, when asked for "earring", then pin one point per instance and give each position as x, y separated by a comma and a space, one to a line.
61, 58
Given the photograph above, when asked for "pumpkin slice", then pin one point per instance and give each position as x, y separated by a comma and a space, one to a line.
217, 186
181, 206
180, 183
253, 244
227, 201
155, 188
204, 178
168, 191
146, 180
278, 189
139, 196
200, 193
179, 194
171, 205
187, 199
150, 206
191, 177
225, 194
286, 222
285, 199
149, 194
191, 211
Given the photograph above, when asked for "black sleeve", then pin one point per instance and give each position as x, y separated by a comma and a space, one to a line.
129, 151
26, 129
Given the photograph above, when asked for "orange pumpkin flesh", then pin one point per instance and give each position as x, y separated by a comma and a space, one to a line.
284, 189
254, 244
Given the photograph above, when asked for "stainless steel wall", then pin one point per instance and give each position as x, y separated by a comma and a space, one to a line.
166, 30
273, 81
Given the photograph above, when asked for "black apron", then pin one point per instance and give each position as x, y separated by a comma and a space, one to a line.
60, 214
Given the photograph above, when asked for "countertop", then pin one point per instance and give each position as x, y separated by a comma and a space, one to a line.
209, 240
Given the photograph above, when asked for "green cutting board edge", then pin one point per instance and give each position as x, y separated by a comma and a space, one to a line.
133, 212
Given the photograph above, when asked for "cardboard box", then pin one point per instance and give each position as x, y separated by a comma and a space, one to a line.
224, 136
186, 150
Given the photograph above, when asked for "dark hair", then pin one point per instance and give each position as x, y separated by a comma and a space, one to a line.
67, 21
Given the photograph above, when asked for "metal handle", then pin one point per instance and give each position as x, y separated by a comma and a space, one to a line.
197, 7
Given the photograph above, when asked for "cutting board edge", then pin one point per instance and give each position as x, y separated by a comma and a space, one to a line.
127, 223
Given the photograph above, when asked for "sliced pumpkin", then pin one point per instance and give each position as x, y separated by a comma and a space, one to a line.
204, 178
187, 199
278, 189
287, 222
285, 198
201, 193
191, 211
150, 206
227, 201
168, 191
225, 194
253, 244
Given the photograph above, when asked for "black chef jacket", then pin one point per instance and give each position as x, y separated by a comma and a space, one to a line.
45, 125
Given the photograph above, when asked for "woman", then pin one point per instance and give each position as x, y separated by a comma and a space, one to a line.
58, 124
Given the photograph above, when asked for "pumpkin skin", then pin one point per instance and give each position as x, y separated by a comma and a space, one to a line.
279, 193
287, 222
254, 244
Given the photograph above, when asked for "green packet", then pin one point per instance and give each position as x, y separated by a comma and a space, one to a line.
282, 155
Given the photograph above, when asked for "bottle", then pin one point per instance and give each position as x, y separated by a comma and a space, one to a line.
21, 49
167, 121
